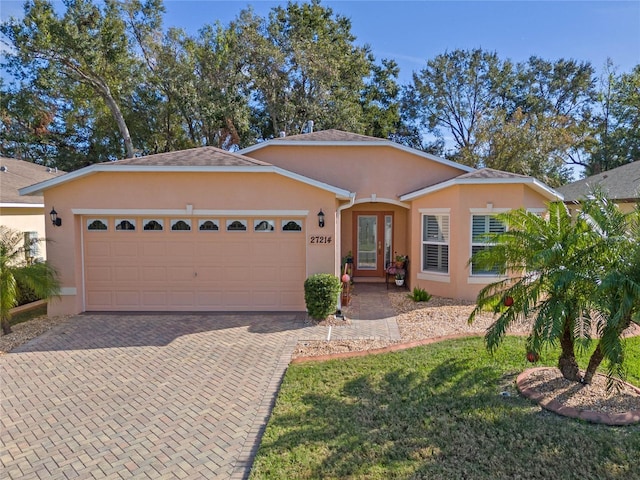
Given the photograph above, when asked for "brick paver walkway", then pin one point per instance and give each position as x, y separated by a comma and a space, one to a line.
151, 396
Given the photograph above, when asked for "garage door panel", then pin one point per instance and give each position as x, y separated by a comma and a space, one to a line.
124, 249
153, 274
152, 299
98, 274
127, 298
99, 299
181, 298
193, 270
180, 274
123, 274
153, 250
97, 249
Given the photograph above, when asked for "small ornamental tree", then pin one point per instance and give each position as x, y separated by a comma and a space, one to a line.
40, 277
570, 276
321, 295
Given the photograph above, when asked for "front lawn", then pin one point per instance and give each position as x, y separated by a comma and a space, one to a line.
436, 412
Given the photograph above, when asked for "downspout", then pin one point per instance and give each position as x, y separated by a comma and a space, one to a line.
352, 201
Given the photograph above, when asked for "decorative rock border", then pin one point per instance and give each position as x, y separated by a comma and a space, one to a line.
376, 351
619, 419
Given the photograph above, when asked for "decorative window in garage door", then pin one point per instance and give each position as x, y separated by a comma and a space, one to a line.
264, 225
291, 225
178, 225
153, 224
208, 225
236, 225
125, 224
97, 224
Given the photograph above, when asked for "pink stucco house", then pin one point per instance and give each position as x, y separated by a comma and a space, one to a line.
208, 230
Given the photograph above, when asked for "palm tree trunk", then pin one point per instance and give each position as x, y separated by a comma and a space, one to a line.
567, 362
594, 363
6, 326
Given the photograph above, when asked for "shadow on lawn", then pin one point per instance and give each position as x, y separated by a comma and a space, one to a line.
449, 423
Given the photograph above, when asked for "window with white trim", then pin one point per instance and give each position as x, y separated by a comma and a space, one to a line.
208, 225
263, 225
31, 246
178, 225
480, 226
435, 243
153, 224
236, 225
291, 225
97, 224
125, 224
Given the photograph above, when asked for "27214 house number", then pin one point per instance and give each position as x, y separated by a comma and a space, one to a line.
317, 239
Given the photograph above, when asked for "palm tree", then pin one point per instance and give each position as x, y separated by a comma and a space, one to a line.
15, 269
568, 276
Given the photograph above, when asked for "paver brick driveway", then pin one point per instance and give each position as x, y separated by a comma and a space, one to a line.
143, 396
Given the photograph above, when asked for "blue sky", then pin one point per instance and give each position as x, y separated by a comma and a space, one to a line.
412, 31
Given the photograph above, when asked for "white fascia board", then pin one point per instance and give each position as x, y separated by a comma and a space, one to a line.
346, 143
341, 193
92, 169
21, 205
535, 184
188, 213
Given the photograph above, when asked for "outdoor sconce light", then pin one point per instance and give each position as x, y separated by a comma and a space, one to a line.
54, 218
321, 219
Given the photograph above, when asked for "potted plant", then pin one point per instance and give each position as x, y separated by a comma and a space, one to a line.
399, 279
400, 259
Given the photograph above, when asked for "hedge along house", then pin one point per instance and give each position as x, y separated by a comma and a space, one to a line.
208, 230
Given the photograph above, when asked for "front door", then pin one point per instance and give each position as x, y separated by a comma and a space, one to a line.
373, 243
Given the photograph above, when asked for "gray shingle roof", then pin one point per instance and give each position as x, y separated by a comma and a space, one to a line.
622, 184
331, 135
16, 174
491, 173
193, 157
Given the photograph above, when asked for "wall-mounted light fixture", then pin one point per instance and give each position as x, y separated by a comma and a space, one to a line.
321, 219
54, 218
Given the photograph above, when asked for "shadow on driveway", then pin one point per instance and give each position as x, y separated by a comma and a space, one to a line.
121, 330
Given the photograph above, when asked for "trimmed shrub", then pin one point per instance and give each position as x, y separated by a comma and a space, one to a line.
419, 295
321, 295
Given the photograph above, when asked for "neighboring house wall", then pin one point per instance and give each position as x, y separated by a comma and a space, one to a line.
23, 214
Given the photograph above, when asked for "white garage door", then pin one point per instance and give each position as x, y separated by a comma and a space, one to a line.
194, 264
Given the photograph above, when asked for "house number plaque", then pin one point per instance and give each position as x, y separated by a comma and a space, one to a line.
317, 239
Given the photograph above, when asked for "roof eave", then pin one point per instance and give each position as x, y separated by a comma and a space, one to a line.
39, 188
540, 187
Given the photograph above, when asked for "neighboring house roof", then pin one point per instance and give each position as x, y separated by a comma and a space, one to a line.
338, 138
17, 174
621, 184
487, 176
201, 159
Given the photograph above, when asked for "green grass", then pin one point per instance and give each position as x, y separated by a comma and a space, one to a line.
435, 412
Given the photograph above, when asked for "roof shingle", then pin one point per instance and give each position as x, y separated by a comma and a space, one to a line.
16, 174
622, 184
193, 157
331, 135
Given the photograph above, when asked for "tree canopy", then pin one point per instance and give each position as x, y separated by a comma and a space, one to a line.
102, 80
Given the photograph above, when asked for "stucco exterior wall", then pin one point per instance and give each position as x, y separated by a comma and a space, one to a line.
181, 193
384, 171
461, 202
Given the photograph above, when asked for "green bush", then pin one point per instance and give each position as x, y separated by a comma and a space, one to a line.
419, 295
25, 294
321, 294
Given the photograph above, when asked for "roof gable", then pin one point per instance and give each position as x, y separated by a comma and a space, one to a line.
487, 176
200, 159
621, 183
339, 138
